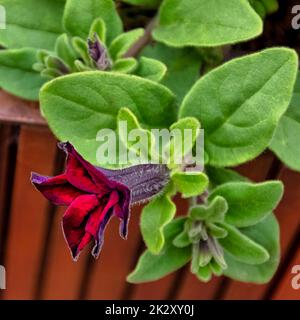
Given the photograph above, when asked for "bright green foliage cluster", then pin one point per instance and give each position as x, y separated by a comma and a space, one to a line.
239, 107
71, 54
201, 231
29, 28
244, 106
224, 232
59, 45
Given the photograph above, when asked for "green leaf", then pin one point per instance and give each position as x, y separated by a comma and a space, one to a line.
65, 51
38, 67
98, 27
53, 62
271, 5
259, 8
265, 233
204, 258
155, 216
240, 108
248, 203
77, 106
217, 252
31, 23
151, 69
81, 48
196, 260
187, 123
17, 75
152, 267
144, 150
80, 66
182, 240
126, 65
127, 116
50, 73
219, 176
241, 247
186, 132
285, 143
42, 55
204, 274
213, 212
216, 231
183, 67
79, 16
124, 42
196, 231
206, 23
216, 268
190, 184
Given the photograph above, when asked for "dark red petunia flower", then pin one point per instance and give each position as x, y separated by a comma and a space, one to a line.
93, 195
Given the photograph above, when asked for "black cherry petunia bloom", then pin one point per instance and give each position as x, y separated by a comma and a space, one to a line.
93, 195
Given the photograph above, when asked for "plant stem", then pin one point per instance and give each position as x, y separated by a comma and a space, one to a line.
143, 41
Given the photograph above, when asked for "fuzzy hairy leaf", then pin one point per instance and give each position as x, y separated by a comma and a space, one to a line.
121, 44
213, 212
185, 133
285, 143
190, 184
17, 75
240, 104
248, 203
182, 240
81, 48
98, 27
265, 233
132, 123
151, 267
219, 176
204, 274
65, 51
151, 69
79, 16
183, 67
31, 23
126, 65
206, 23
155, 216
79, 105
242, 248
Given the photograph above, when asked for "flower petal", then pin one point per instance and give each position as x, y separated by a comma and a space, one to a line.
100, 237
99, 220
74, 226
122, 210
82, 174
97, 180
56, 189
